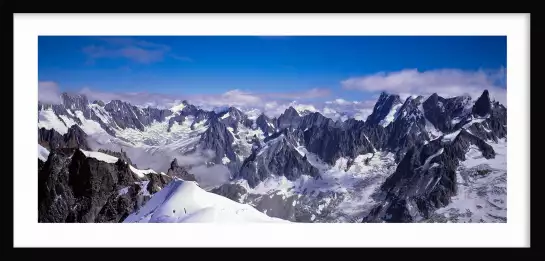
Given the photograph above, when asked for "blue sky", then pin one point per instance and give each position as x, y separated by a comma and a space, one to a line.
329, 67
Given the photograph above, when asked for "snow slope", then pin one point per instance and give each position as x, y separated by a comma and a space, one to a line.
99, 156
140, 173
185, 202
391, 115
43, 153
482, 188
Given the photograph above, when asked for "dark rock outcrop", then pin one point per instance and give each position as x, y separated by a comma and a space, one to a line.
265, 124
232, 117
424, 180
126, 115
482, 106
177, 171
289, 119
278, 157
331, 143
219, 140
446, 114
74, 138
409, 128
81, 189
99, 103
382, 108
231, 191
315, 119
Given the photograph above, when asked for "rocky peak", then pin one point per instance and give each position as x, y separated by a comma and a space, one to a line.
74, 101
482, 106
265, 124
290, 118
75, 188
74, 138
218, 139
99, 103
384, 106
279, 157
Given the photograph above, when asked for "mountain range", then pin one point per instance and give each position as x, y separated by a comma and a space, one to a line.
422, 159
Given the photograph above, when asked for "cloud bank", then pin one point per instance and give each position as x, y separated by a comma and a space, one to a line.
444, 82
49, 92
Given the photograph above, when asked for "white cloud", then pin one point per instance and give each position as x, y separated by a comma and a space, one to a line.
49, 92
133, 49
211, 176
340, 109
444, 82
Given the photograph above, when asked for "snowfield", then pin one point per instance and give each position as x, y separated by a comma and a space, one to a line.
482, 188
185, 202
342, 194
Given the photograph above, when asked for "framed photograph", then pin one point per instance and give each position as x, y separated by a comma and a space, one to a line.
309, 130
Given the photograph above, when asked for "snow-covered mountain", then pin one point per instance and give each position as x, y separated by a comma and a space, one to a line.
425, 159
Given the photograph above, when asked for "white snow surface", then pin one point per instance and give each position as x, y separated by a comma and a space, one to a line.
451, 136
43, 153
47, 119
474, 120
185, 202
391, 115
480, 198
177, 108
100, 156
140, 173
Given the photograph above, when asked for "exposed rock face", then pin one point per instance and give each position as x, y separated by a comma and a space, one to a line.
424, 180
219, 140
446, 114
76, 102
231, 191
126, 115
331, 143
382, 108
232, 117
82, 189
40, 165
278, 157
265, 124
482, 105
74, 138
409, 128
190, 111
315, 119
179, 172
352, 124
289, 119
